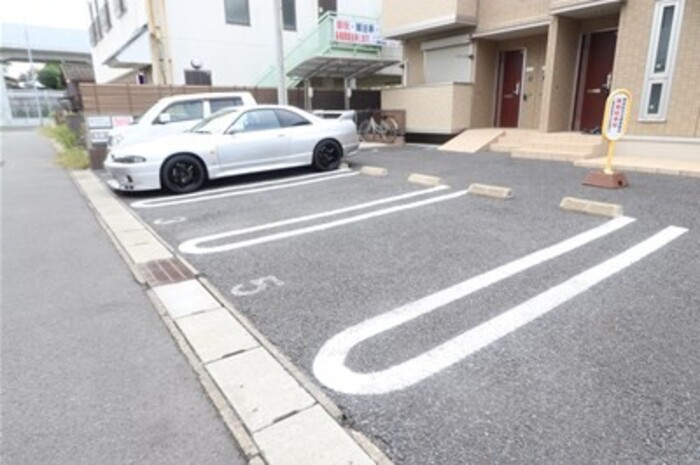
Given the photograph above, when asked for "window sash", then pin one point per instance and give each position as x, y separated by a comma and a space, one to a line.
237, 12
661, 59
289, 15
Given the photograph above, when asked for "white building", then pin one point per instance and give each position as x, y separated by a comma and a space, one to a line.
232, 42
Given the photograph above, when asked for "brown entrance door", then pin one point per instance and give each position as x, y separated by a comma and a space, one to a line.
597, 59
510, 88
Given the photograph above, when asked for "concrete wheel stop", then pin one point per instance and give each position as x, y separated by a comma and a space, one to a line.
607, 180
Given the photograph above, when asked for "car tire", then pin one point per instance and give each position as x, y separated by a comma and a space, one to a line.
182, 174
327, 155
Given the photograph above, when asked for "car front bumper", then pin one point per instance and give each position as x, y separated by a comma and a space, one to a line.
129, 177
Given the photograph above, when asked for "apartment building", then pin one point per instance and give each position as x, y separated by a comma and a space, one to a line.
548, 66
232, 42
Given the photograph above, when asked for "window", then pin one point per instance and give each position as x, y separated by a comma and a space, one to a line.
237, 12
184, 111
289, 119
289, 15
256, 120
197, 77
218, 104
95, 31
105, 18
325, 6
120, 8
663, 45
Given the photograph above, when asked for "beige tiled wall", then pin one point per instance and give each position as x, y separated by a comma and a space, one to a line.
683, 115
438, 109
498, 14
414, 56
399, 15
560, 69
485, 83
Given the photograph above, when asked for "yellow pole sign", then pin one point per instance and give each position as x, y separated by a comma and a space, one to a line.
617, 114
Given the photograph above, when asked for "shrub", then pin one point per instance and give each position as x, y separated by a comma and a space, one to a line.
74, 158
64, 136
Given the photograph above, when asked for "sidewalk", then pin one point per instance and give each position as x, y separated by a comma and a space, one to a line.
670, 164
272, 411
90, 373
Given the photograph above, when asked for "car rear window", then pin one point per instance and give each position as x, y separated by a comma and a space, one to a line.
220, 103
289, 118
185, 111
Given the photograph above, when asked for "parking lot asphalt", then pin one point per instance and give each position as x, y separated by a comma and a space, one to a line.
607, 371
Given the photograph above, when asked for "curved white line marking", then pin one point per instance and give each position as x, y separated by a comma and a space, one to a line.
192, 246
166, 221
329, 365
239, 190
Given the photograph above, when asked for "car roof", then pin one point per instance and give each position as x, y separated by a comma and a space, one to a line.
204, 96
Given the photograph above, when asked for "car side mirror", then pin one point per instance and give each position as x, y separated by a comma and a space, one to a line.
164, 118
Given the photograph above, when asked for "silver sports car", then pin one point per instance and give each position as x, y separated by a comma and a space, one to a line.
230, 142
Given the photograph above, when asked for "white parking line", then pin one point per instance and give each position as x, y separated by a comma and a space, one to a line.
246, 189
193, 246
329, 365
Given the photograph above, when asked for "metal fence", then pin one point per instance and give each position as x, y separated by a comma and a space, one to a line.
27, 107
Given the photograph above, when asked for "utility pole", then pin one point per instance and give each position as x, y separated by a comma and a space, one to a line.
279, 49
34, 76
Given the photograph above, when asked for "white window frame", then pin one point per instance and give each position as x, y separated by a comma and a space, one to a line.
664, 78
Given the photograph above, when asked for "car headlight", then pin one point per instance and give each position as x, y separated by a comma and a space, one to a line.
128, 159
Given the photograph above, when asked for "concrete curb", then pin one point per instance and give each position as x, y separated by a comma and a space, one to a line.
373, 171
591, 207
485, 190
424, 179
291, 420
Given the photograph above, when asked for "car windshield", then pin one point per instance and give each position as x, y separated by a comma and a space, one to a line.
217, 122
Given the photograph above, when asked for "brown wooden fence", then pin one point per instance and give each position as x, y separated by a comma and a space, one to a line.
134, 99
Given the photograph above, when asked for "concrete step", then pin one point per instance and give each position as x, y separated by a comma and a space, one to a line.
552, 154
570, 137
504, 147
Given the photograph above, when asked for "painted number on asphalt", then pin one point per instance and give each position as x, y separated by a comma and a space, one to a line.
164, 221
256, 286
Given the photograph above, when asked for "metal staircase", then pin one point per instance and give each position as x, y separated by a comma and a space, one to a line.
320, 54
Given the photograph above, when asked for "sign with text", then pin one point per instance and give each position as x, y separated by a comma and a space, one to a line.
617, 113
356, 31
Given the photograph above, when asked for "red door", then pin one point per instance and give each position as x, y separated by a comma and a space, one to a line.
510, 88
597, 59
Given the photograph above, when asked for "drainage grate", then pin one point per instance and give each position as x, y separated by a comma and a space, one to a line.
167, 271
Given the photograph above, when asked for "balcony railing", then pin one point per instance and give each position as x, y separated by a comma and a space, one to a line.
322, 41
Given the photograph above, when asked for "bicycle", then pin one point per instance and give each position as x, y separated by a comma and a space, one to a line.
387, 129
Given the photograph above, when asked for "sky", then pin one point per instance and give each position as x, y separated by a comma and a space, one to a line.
71, 14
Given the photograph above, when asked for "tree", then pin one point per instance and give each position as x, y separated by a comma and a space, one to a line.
51, 76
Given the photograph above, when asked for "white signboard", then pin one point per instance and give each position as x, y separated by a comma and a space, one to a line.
356, 31
617, 112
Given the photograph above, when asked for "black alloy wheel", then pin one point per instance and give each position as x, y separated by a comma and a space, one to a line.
182, 174
327, 155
